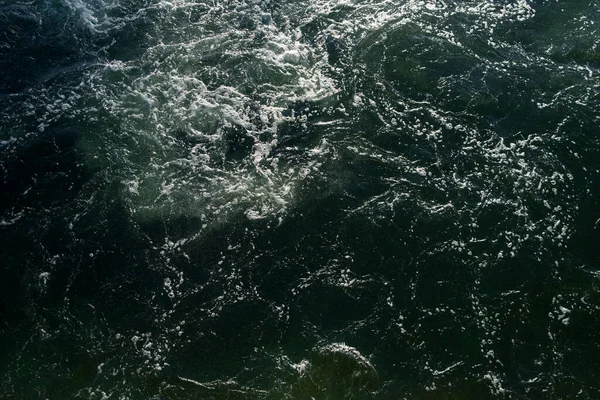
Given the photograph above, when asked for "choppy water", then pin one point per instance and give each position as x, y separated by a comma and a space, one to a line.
290, 199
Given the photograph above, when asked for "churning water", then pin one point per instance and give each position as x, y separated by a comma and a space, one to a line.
294, 199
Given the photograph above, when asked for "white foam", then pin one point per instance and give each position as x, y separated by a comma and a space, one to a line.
86, 14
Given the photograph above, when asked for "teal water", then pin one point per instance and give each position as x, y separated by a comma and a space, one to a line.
277, 199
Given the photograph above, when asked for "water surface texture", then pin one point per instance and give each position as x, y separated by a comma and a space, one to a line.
293, 199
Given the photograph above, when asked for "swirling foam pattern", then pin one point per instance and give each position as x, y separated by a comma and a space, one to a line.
277, 199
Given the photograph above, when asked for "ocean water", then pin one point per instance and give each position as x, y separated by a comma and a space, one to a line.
293, 199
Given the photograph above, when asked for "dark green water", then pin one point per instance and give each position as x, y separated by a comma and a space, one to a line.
292, 199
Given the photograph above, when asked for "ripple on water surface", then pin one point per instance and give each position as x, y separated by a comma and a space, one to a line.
329, 199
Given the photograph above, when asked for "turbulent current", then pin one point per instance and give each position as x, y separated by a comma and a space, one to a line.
293, 199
